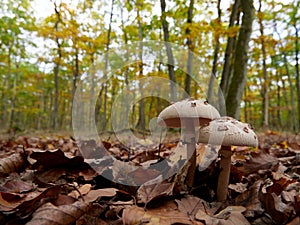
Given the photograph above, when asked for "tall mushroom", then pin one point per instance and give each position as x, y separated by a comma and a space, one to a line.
227, 132
188, 114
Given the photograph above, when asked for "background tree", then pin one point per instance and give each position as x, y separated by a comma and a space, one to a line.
236, 87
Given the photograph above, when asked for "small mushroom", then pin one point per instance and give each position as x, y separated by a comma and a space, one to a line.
189, 114
227, 132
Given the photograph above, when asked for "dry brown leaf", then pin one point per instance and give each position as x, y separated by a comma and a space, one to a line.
231, 215
54, 158
279, 211
162, 216
189, 205
48, 214
91, 217
249, 199
83, 190
27, 207
12, 163
147, 193
93, 195
9, 201
16, 185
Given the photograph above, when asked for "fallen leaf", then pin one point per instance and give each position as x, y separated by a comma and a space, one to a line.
83, 190
162, 215
91, 217
147, 193
12, 163
273, 205
229, 216
48, 214
189, 205
54, 158
16, 185
93, 195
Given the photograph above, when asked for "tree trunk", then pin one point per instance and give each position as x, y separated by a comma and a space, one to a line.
297, 63
293, 120
216, 54
104, 124
169, 51
126, 72
229, 50
56, 71
265, 83
141, 125
236, 88
278, 99
187, 81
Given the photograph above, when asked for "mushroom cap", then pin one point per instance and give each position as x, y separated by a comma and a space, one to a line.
227, 131
177, 114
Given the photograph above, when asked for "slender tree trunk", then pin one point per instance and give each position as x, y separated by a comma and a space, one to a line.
265, 83
216, 56
286, 66
126, 72
56, 72
105, 87
236, 88
7, 85
278, 99
169, 51
229, 50
141, 125
12, 101
297, 66
187, 82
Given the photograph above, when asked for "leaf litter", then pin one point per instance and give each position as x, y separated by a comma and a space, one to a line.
46, 180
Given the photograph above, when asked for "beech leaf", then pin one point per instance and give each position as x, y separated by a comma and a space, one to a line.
147, 193
48, 214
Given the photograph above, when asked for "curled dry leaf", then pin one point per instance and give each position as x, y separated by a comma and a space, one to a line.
147, 193
93, 195
83, 190
273, 205
55, 158
48, 214
16, 185
163, 215
12, 163
231, 215
189, 205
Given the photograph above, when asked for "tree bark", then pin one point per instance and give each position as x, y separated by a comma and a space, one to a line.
229, 50
170, 56
265, 88
187, 81
141, 125
236, 88
295, 20
216, 54
56, 71
294, 122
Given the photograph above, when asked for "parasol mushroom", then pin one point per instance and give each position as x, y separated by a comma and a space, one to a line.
188, 114
227, 132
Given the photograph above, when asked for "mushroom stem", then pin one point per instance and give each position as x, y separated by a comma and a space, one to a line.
191, 152
225, 164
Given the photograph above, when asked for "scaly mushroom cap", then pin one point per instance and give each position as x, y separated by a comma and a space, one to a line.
227, 131
178, 113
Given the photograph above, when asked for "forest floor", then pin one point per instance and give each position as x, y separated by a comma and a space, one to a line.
45, 180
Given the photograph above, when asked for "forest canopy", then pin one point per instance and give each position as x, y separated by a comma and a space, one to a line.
102, 48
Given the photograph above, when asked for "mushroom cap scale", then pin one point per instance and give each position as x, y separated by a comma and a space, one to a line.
185, 111
227, 131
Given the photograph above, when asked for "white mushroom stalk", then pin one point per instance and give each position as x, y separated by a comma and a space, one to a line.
188, 114
227, 132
